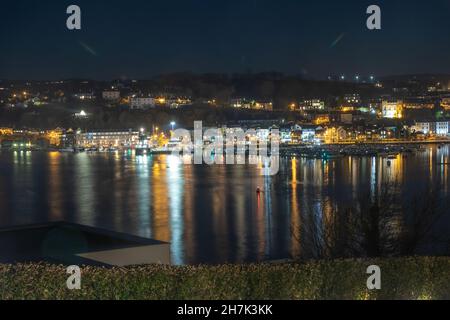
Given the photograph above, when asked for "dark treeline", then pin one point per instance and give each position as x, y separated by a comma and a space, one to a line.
279, 88
61, 115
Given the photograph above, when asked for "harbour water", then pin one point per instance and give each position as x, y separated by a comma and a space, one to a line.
213, 214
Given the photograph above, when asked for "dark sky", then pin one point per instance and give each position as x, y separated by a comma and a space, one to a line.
139, 39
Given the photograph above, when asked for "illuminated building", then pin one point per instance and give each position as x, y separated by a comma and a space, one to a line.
285, 134
67, 138
54, 137
251, 104
445, 103
81, 114
419, 102
352, 99
442, 128
439, 128
109, 138
6, 131
311, 104
333, 134
308, 133
84, 96
161, 101
347, 108
178, 102
321, 119
392, 109
268, 106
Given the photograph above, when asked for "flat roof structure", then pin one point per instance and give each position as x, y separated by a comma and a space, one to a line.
73, 244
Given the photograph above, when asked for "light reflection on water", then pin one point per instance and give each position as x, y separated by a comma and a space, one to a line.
209, 214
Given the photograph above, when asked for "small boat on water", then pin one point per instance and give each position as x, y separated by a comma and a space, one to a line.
141, 151
174, 145
67, 150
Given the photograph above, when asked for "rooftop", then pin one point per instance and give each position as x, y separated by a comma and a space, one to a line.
68, 243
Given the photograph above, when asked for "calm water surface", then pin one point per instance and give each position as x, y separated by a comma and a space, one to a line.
209, 214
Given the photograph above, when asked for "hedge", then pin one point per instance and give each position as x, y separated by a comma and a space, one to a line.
402, 278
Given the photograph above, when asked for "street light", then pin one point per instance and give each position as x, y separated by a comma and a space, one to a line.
173, 124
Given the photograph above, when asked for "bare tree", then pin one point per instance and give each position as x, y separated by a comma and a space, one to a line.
382, 226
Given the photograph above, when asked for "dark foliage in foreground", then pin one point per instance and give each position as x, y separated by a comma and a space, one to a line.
403, 278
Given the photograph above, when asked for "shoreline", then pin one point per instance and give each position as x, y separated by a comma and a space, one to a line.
388, 149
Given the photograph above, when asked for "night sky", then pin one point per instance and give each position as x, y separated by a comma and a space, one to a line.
140, 39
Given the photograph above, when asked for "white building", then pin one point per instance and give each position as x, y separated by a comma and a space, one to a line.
439, 128
106, 139
442, 128
424, 127
308, 132
111, 95
142, 103
81, 114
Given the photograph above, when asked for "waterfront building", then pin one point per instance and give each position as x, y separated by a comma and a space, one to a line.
107, 139
423, 127
67, 139
286, 134
439, 128
333, 134
308, 132
442, 128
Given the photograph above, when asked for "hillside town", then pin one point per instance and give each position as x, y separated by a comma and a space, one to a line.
126, 114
